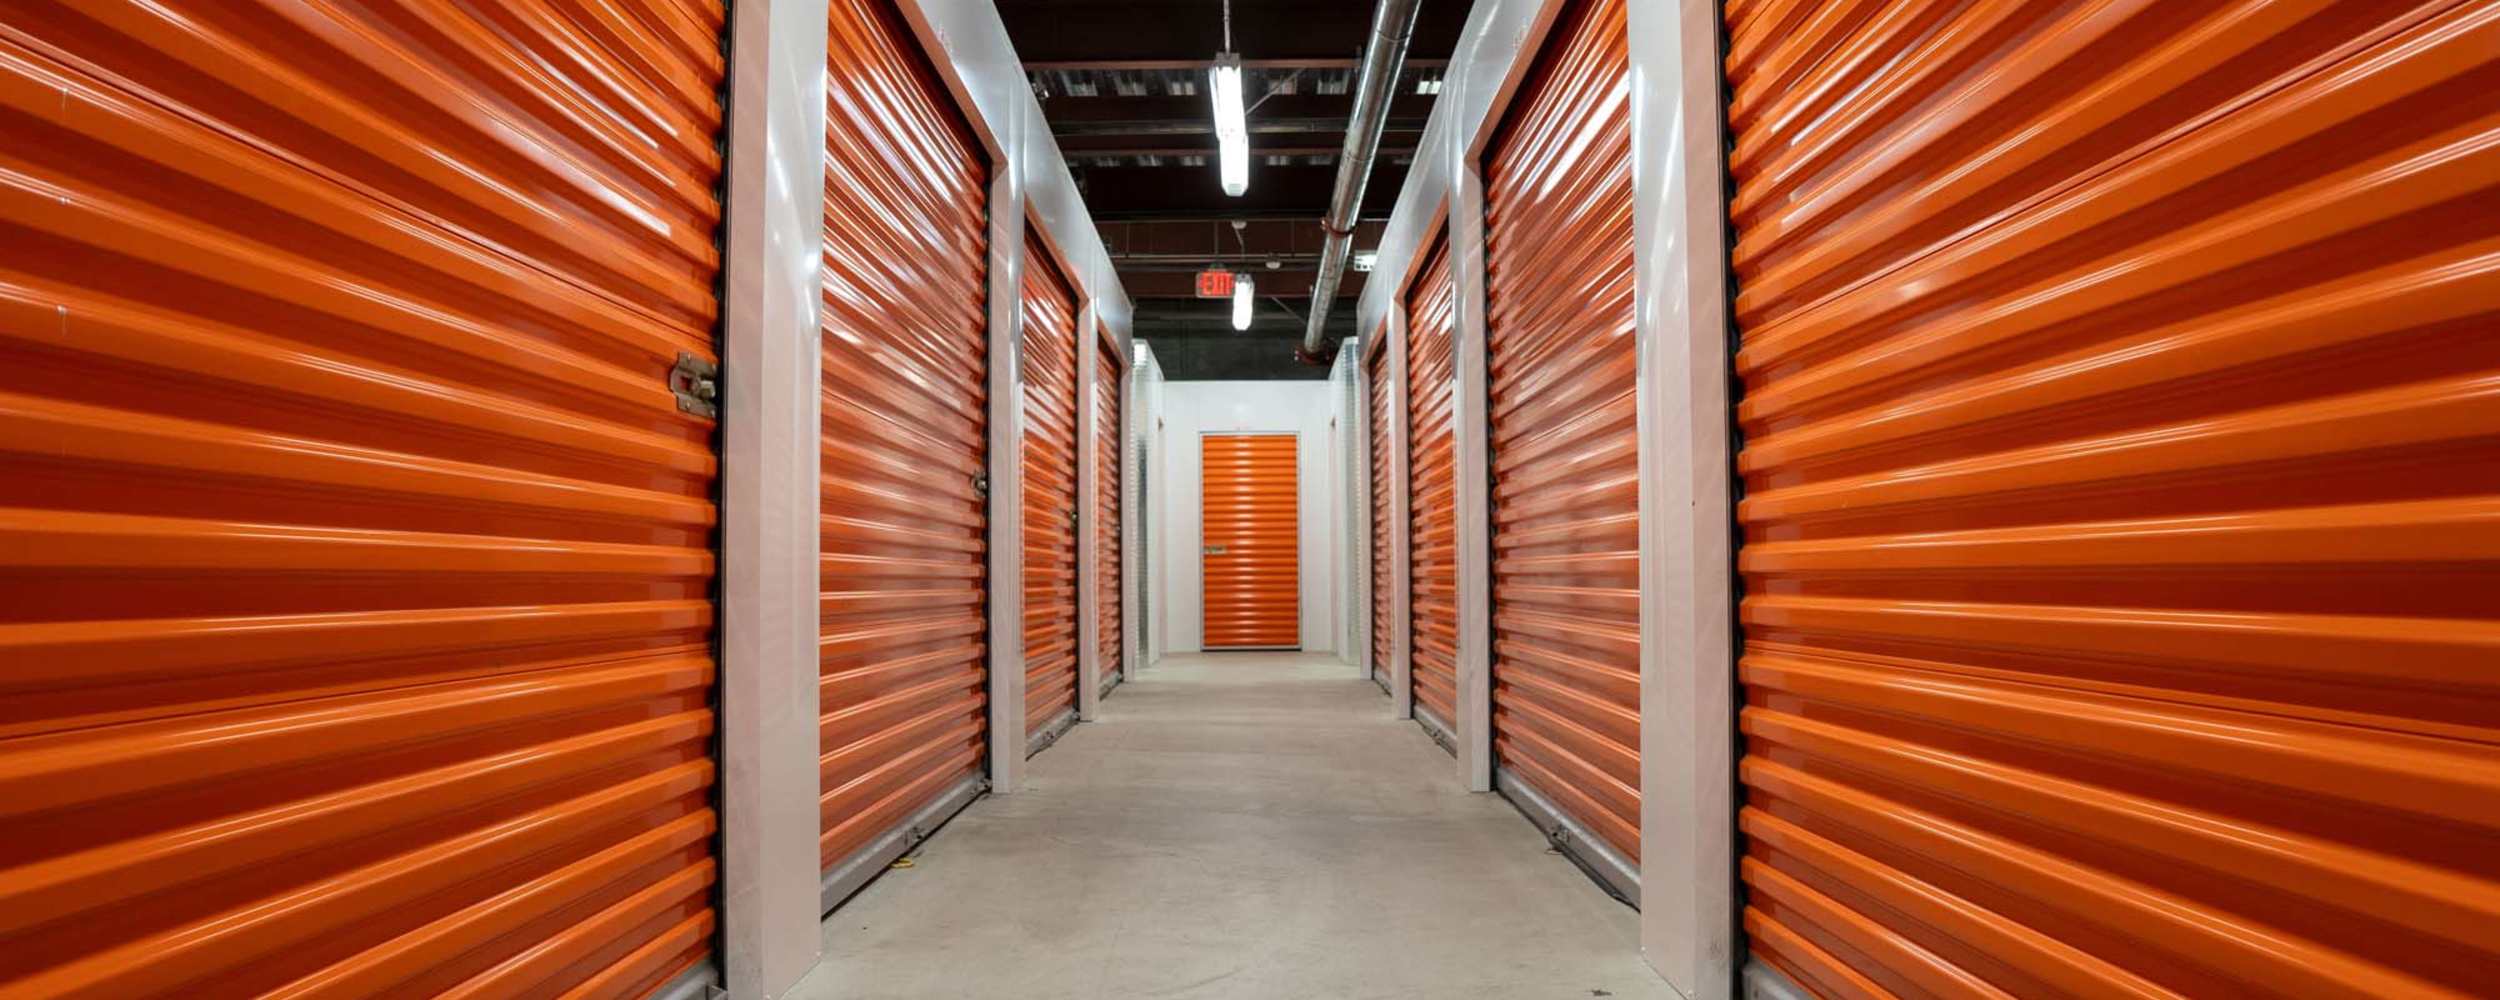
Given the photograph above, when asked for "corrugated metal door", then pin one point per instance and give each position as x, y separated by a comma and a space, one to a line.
1432, 517
1050, 633
902, 648
355, 592
1376, 369
2122, 453
1250, 512
1566, 502
1108, 636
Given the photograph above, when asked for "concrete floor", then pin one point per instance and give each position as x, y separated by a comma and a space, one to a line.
1236, 826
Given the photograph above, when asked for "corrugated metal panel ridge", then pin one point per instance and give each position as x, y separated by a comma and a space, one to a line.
903, 690
1566, 503
1050, 633
1383, 576
1249, 506
1432, 547
1107, 515
356, 596
2122, 452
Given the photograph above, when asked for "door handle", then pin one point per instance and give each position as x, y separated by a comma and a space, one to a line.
1217, 550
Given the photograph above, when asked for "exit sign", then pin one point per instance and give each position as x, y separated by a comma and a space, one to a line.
1215, 284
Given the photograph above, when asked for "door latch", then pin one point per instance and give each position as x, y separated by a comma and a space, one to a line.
1217, 550
981, 485
696, 384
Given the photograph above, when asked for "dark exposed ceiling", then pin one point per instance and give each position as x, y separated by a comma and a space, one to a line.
1051, 33
1123, 84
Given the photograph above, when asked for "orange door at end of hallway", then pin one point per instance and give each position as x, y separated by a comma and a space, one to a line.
2121, 496
1049, 457
1250, 510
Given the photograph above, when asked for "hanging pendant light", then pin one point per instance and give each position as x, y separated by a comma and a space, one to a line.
1232, 129
1244, 290
1232, 119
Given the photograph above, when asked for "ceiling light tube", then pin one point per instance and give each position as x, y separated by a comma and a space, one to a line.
1244, 290
1232, 129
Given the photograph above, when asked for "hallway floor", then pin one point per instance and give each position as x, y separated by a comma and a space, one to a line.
1248, 825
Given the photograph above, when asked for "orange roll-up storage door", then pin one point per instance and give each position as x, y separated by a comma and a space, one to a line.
355, 586
1250, 512
1566, 501
2122, 446
1376, 370
1107, 635
1432, 517
1050, 633
902, 653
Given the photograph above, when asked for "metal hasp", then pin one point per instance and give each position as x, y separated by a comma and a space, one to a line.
696, 384
1384, 56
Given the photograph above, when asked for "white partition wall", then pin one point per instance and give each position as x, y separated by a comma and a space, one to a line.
771, 896
1688, 651
1144, 413
968, 45
1191, 409
1686, 667
1089, 665
1399, 508
769, 423
1353, 471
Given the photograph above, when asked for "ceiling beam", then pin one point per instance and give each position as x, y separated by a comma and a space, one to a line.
1068, 113
1274, 314
1158, 259
1215, 235
1204, 149
1291, 285
1176, 65
1192, 263
1202, 126
1049, 32
1299, 190
1133, 145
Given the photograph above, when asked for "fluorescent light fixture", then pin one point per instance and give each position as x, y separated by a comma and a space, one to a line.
1244, 290
1232, 128
1365, 260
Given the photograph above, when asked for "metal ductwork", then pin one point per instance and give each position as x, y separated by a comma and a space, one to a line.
1384, 57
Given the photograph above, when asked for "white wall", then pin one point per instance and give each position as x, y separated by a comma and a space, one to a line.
1194, 408
1352, 467
1145, 568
